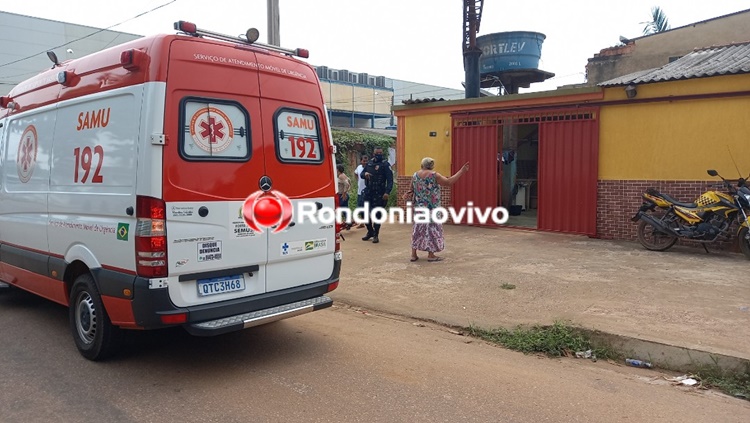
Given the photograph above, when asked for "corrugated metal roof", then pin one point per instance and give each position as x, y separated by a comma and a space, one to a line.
710, 61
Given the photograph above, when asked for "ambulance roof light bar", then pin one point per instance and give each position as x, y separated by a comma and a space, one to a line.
251, 36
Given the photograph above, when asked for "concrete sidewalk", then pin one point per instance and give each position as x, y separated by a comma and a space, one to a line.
682, 297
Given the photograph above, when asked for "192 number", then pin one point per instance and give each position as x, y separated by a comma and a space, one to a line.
299, 148
84, 160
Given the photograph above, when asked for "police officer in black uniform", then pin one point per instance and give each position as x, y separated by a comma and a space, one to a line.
378, 178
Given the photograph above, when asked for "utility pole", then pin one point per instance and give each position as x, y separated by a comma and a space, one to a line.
472, 18
274, 37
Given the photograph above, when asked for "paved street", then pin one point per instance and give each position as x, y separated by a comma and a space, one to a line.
337, 365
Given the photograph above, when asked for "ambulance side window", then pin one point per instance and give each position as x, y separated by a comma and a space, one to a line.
297, 136
214, 130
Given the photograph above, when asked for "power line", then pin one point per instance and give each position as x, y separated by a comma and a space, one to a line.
89, 35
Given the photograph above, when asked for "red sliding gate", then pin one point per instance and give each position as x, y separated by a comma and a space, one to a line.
476, 145
568, 164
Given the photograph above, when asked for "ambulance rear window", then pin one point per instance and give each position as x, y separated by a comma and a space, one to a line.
297, 136
214, 130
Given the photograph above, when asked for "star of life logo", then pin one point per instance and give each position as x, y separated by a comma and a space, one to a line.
27, 151
273, 209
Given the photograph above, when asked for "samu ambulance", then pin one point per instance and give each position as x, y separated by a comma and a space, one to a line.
123, 179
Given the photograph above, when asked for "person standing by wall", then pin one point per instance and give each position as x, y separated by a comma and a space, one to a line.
425, 193
378, 185
361, 183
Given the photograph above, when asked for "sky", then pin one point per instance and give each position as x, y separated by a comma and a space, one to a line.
411, 40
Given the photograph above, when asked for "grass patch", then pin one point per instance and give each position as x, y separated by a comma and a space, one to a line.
508, 286
564, 340
558, 340
731, 383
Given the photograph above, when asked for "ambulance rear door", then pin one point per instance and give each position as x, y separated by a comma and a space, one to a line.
213, 160
299, 161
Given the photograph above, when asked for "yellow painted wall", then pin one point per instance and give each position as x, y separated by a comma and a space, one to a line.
676, 140
419, 144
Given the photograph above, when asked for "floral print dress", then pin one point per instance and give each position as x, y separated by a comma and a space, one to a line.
427, 236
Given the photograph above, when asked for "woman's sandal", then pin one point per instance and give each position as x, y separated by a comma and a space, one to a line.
414, 258
436, 258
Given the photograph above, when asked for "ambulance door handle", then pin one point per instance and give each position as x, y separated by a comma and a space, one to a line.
129, 211
203, 211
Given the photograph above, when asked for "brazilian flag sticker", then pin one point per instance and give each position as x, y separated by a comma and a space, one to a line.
122, 231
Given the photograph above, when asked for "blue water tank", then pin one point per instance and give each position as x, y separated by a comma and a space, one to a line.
506, 51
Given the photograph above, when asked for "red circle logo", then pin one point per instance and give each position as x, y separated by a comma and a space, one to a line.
26, 159
267, 209
211, 130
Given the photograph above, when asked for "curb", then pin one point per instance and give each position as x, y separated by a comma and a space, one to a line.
660, 355
668, 357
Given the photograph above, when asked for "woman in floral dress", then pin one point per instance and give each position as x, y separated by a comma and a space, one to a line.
425, 193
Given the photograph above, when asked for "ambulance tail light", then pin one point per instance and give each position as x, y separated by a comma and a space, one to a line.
174, 319
151, 237
132, 59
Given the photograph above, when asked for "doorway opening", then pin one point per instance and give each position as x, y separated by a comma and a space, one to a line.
518, 157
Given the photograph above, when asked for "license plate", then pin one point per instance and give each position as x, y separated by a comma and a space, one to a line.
221, 285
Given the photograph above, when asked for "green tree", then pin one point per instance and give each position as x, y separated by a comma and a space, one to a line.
658, 23
346, 141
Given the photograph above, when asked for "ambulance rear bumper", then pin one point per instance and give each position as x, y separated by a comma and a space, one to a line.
149, 305
260, 317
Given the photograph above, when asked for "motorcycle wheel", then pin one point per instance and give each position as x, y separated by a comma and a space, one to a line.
744, 242
653, 240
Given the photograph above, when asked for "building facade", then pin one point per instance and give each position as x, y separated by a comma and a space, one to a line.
592, 151
659, 49
360, 100
24, 40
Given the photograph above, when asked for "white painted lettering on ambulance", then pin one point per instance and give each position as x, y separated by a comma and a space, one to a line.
258, 66
94, 119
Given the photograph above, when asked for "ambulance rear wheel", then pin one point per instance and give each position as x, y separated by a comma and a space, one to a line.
95, 336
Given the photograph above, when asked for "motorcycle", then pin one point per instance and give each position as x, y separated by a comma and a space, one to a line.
664, 219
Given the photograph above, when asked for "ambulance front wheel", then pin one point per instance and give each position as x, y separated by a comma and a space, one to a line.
93, 332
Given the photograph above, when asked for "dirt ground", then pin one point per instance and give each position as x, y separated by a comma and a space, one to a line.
681, 297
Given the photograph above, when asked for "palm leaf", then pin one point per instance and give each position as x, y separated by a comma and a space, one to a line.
658, 23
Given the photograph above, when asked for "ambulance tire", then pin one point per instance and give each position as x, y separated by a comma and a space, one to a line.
93, 332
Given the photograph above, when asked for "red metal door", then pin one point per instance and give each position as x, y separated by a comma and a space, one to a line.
476, 145
568, 173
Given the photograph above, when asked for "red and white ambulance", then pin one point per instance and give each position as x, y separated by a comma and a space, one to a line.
123, 179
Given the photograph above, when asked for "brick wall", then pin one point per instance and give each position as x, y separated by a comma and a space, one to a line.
619, 200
